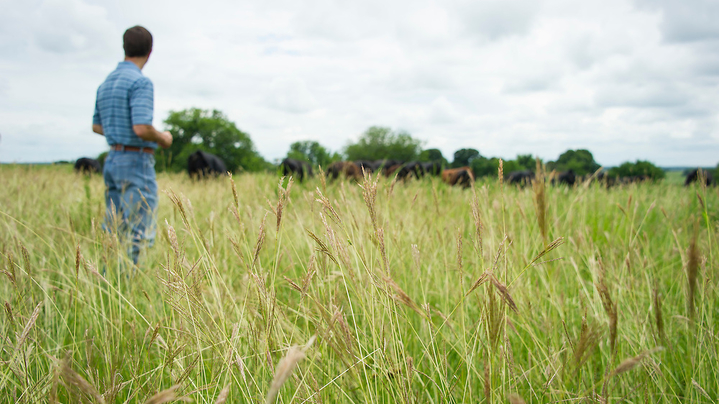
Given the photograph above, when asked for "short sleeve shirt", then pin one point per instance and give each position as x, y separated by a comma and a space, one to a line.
124, 99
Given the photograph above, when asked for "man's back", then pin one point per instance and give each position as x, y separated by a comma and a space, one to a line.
124, 99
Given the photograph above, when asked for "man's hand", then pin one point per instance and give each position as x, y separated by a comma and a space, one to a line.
98, 129
166, 140
150, 134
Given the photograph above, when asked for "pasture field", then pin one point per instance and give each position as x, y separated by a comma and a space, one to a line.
389, 293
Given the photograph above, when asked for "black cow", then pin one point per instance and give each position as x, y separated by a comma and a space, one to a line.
202, 164
693, 176
565, 177
88, 166
368, 166
301, 169
523, 177
412, 168
432, 168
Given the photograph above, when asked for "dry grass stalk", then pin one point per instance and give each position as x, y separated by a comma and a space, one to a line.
172, 236
540, 199
166, 396
234, 192
222, 397
323, 180
500, 173
260, 242
477, 222
74, 379
692, 270
26, 258
10, 268
383, 251
401, 296
285, 368
609, 307
328, 206
658, 319
504, 293
28, 326
630, 363
484, 277
322, 247
416, 258
551, 246
78, 259
369, 194
515, 399
588, 341
8, 311
180, 206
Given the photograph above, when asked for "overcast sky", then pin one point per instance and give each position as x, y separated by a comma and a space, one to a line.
626, 79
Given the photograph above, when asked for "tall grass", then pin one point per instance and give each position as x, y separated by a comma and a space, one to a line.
410, 292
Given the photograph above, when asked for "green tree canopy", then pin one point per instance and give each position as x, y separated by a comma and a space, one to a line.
580, 161
432, 155
311, 152
197, 129
641, 167
463, 157
378, 143
484, 167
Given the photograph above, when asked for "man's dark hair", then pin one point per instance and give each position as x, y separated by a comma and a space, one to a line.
137, 42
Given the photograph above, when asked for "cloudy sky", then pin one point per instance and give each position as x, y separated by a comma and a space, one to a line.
626, 79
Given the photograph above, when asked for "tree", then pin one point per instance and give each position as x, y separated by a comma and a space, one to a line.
640, 168
196, 129
526, 162
463, 157
378, 143
432, 155
484, 167
580, 161
311, 152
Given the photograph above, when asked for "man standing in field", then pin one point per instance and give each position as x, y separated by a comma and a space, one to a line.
123, 114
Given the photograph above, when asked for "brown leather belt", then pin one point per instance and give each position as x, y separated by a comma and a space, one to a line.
120, 147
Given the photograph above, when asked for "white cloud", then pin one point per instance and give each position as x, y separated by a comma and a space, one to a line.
290, 94
623, 78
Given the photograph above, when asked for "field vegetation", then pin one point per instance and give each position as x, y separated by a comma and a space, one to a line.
377, 292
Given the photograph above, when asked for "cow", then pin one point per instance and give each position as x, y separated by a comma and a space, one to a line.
458, 176
523, 177
388, 167
405, 171
366, 166
301, 169
88, 166
565, 177
202, 164
693, 176
432, 167
348, 168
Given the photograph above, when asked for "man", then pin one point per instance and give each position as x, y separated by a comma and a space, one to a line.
123, 114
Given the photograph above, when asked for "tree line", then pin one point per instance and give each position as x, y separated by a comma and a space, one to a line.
211, 131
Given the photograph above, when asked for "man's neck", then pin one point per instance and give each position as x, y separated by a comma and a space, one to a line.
138, 61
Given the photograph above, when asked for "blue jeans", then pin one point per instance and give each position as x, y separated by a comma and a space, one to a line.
131, 198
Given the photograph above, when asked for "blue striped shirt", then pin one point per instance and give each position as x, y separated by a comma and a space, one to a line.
124, 99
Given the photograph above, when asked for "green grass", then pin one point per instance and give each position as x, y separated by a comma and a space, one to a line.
390, 295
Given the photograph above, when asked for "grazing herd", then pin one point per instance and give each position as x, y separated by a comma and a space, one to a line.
201, 164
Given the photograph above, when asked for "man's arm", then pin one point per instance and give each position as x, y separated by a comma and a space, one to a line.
98, 129
150, 134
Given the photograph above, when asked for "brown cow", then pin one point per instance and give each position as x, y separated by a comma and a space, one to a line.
458, 176
348, 168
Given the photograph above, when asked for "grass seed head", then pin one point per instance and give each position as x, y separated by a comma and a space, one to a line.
283, 372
